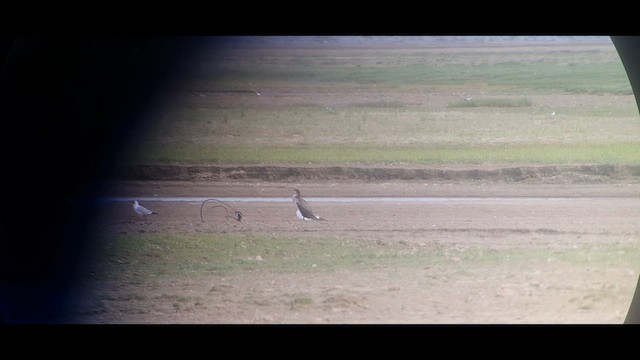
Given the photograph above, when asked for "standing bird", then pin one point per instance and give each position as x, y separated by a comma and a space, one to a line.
141, 210
303, 211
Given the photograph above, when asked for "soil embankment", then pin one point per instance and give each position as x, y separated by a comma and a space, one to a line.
560, 174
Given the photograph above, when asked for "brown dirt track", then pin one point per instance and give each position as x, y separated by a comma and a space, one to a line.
544, 288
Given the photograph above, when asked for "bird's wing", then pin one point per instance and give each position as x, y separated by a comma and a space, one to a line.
144, 210
304, 208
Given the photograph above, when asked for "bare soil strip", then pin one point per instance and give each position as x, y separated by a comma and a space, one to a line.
540, 174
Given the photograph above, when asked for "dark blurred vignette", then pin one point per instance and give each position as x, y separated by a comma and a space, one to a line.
629, 50
69, 107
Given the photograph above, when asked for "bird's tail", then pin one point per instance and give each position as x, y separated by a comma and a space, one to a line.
154, 213
320, 219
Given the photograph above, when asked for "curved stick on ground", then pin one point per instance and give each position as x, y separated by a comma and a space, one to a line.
237, 215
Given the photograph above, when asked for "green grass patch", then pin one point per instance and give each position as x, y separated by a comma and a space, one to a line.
142, 258
139, 257
552, 70
394, 106
519, 75
621, 153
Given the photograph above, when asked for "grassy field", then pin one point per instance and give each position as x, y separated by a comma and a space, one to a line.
401, 155
520, 260
557, 104
540, 262
184, 256
547, 69
232, 278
